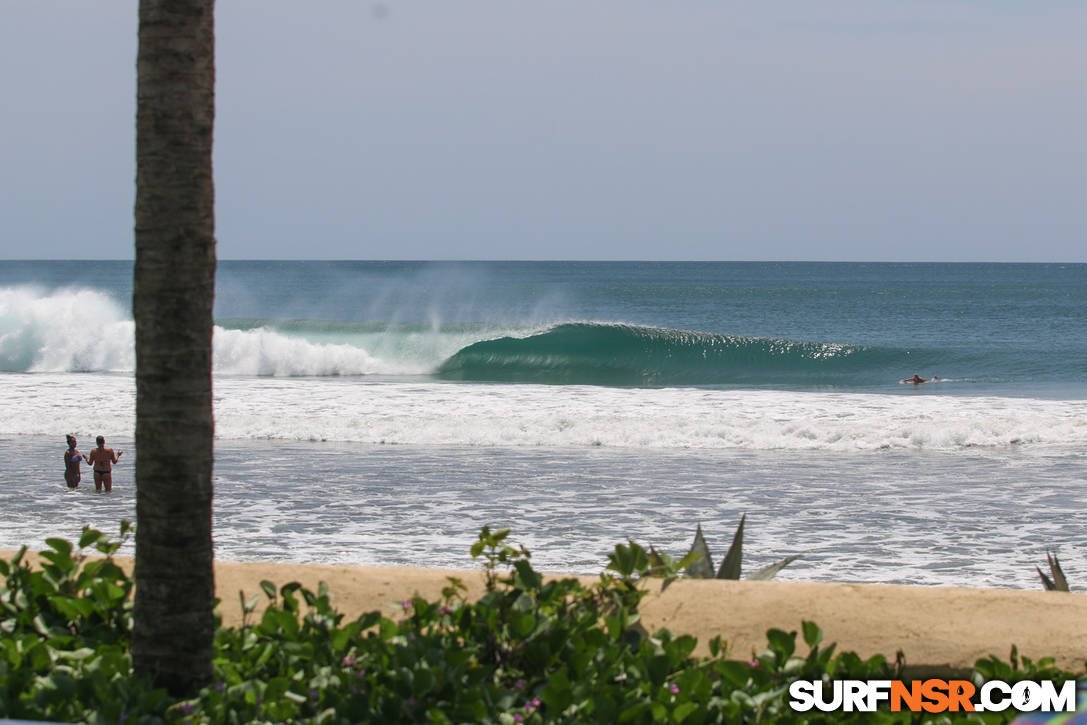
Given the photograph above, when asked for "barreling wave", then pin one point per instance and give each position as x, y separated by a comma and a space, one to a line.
629, 355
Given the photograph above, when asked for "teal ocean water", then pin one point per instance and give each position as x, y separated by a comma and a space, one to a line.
591, 402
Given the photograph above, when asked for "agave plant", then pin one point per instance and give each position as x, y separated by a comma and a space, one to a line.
1058, 583
701, 566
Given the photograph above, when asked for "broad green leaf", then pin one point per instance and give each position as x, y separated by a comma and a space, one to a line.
62, 546
88, 537
782, 643
681, 711
634, 712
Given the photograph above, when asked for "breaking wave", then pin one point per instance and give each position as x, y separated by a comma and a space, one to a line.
629, 355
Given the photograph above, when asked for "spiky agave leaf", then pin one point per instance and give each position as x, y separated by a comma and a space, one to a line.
702, 566
769, 572
1046, 581
730, 567
1060, 582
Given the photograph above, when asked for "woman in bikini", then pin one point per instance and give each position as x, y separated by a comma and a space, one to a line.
72, 459
101, 459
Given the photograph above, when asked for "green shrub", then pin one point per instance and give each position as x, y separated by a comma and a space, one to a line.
66, 625
528, 650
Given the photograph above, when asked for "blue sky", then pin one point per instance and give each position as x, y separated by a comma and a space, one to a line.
611, 129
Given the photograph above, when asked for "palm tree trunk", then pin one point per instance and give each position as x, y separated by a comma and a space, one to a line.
173, 292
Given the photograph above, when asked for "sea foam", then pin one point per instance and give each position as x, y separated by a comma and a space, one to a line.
448, 414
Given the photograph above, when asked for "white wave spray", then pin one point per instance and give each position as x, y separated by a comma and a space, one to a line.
80, 330
69, 330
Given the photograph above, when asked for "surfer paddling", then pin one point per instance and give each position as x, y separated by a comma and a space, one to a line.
102, 460
917, 379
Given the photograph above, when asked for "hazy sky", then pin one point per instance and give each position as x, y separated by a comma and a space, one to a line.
574, 129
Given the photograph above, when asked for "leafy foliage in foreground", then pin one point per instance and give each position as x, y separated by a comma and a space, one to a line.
528, 651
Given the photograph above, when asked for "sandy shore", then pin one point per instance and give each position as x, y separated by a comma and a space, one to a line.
940, 629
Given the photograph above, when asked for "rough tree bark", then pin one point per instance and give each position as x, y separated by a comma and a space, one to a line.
173, 293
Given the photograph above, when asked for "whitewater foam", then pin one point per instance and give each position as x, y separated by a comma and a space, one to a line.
442, 414
72, 330
81, 330
977, 518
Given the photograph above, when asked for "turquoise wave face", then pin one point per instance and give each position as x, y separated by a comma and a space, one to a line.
627, 355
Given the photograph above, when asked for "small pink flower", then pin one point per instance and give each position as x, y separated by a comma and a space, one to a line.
517, 717
674, 688
349, 661
753, 663
406, 604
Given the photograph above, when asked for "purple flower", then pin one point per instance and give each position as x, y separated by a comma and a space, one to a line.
517, 717
313, 693
519, 685
186, 707
535, 702
406, 604
674, 688
220, 686
349, 661
753, 663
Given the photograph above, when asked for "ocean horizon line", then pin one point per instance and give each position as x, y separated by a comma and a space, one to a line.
457, 260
